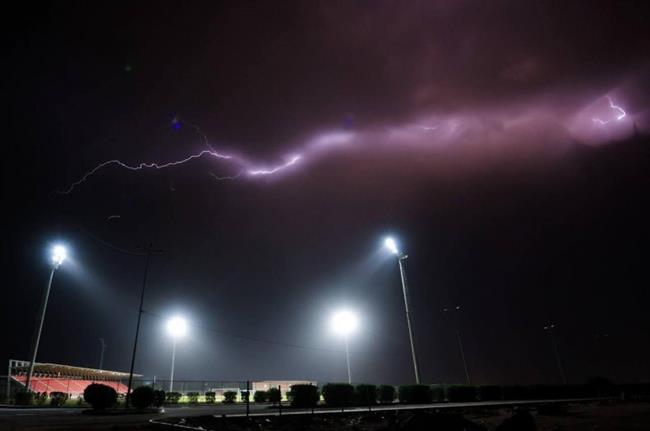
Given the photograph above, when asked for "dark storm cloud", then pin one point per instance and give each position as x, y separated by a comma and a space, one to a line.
391, 89
426, 55
265, 85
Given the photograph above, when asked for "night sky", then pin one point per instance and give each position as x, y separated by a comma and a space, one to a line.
502, 143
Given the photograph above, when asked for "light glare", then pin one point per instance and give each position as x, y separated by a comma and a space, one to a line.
59, 254
177, 327
391, 245
344, 322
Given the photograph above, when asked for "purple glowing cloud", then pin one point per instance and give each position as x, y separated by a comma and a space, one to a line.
494, 124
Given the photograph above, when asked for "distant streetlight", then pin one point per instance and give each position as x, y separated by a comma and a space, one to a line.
59, 254
558, 360
344, 323
176, 327
101, 355
391, 245
458, 309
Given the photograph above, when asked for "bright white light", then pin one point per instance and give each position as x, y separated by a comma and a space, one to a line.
177, 327
391, 245
344, 322
59, 253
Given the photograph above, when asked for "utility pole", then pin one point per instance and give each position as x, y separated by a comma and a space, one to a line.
149, 251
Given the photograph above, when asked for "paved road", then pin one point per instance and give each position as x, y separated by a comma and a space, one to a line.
41, 419
74, 419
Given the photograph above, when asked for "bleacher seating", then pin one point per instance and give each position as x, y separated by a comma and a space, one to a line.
73, 387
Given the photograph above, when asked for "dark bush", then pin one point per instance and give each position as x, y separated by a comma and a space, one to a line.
515, 392
338, 394
173, 397
260, 396
274, 395
158, 398
636, 391
490, 393
365, 395
304, 396
438, 393
99, 396
40, 398
142, 397
461, 393
414, 394
193, 397
245, 396
57, 399
24, 398
229, 397
386, 394
210, 397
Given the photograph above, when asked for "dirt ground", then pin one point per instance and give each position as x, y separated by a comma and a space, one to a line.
621, 417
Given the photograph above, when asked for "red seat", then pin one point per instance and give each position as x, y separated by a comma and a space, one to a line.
73, 387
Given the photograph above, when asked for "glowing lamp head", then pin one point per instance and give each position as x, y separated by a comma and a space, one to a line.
344, 322
59, 254
391, 245
177, 327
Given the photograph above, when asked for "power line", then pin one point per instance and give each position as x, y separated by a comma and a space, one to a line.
107, 244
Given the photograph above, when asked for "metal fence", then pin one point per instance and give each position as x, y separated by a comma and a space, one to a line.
8, 387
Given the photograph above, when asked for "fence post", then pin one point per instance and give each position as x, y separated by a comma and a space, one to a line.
369, 402
8, 381
280, 402
248, 397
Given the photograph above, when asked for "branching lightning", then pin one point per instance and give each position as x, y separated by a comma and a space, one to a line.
446, 129
245, 167
142, 166
621, 113
292, 161
226, 177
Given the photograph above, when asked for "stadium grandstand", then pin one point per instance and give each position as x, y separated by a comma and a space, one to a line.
71, 380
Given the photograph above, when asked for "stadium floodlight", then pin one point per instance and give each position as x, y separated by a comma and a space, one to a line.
344, 323
177, 328
391, 245
59, 254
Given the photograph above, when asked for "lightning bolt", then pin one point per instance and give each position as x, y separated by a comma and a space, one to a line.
246, 167
227, 177
292, 161
142, 166
619, 117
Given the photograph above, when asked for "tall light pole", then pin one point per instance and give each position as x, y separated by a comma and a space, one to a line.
344, 323
101, 354
176, 327
460, 343
59, 254
551, 329
391, 245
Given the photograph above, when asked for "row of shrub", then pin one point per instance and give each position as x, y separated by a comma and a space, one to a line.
56, 399
342, 394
